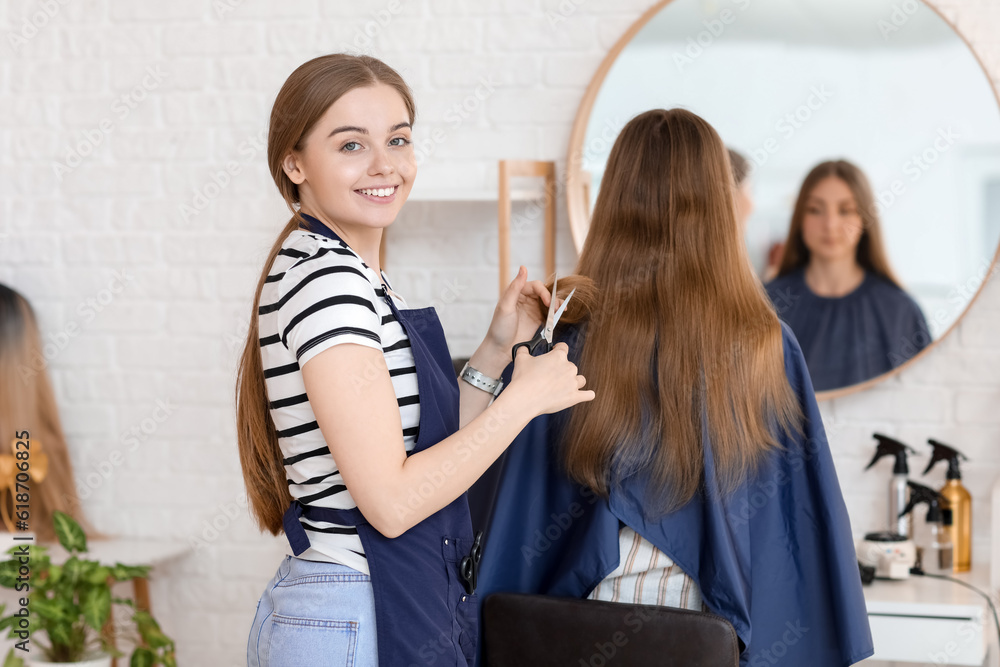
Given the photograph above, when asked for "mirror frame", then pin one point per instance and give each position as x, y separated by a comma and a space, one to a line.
577, 203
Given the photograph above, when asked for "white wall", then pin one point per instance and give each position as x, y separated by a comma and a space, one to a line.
171, 335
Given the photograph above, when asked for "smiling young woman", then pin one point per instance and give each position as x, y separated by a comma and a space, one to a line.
355, 437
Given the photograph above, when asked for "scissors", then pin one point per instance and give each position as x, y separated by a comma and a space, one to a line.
468, 567
544, 335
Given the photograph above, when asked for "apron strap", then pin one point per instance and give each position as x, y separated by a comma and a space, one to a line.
296, 533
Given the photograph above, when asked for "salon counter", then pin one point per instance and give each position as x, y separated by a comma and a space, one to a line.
922, 620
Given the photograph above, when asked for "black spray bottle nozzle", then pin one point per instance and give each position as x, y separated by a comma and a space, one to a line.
924, 494
890, 446
943, 452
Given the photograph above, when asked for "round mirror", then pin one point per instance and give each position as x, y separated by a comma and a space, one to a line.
872, 111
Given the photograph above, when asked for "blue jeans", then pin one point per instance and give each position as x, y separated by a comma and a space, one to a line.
314, 614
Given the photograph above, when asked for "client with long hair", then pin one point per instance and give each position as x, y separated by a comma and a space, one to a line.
700, 476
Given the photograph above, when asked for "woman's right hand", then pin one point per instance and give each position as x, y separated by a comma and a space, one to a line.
548, 383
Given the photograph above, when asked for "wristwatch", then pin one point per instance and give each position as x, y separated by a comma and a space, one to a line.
480, 380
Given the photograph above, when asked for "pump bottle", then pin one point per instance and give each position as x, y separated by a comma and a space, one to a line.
936, 554
899, 522
957, 499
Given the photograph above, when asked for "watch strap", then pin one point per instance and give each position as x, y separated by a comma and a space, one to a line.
480, 380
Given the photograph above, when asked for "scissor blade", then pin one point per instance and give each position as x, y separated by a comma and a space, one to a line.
550, 328
562, 308
550, 321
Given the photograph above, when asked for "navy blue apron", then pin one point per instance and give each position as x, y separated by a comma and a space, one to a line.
423, 614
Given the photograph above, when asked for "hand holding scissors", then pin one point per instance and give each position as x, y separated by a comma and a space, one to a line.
543, 338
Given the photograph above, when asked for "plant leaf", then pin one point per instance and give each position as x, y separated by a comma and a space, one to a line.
144, 621
69, 532
8, 573
125, 572
73, 569
96, 604
142, 657
156, 639
99, 574
49, 610
60, 633
12, 660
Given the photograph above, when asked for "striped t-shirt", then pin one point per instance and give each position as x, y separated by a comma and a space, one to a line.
646, 575
320, 293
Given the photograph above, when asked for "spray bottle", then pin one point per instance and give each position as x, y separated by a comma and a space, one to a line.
957, 499
899, 523
934, 549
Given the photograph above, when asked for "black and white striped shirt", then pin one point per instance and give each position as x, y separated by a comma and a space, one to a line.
320, 293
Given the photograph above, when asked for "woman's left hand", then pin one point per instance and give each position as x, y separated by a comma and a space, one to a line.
517, 315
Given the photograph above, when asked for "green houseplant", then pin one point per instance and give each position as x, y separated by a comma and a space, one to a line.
72, 605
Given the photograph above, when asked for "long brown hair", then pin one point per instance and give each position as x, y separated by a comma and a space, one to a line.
679, 333
27, 403
303, 99
871, 253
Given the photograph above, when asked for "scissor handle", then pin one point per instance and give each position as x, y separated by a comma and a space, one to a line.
532, 345
527, 344
468, 566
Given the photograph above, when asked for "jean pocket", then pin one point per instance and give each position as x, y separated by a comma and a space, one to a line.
310, 642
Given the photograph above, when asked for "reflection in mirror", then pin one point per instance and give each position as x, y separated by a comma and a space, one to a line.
30, 430
892, 95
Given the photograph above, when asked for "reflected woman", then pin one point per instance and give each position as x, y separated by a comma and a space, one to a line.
835, 288
29, 413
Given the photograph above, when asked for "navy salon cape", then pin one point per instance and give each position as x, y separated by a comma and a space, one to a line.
776, 559
853, 338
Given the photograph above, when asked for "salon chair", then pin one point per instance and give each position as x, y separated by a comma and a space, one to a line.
541, 630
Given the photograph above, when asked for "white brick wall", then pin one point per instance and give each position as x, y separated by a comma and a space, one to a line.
173, 333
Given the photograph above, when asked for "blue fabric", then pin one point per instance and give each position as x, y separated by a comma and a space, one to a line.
853, 338
422, 612
776, 559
